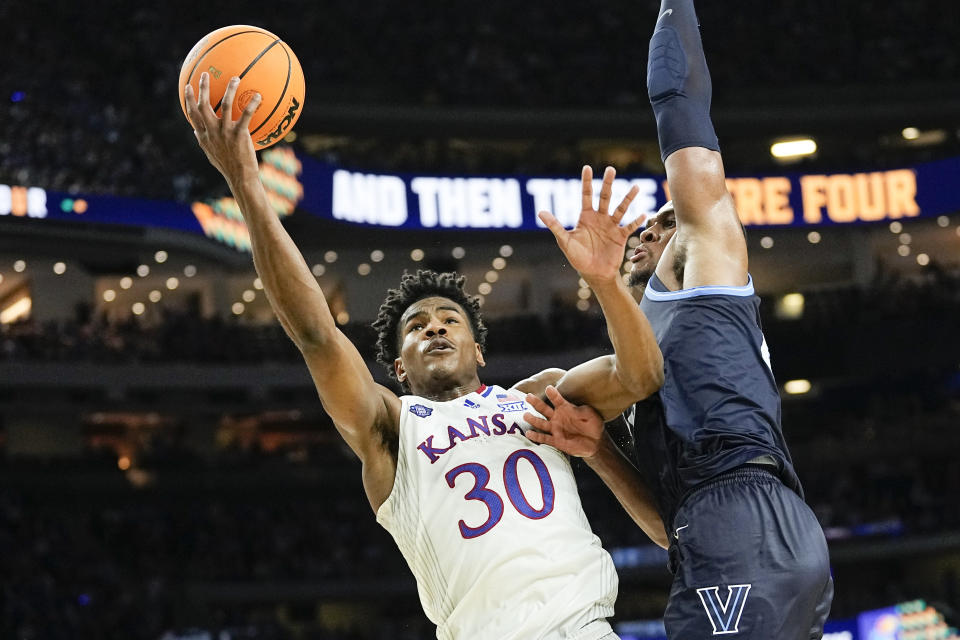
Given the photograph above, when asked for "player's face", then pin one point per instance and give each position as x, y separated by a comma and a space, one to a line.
653, 240
437, 348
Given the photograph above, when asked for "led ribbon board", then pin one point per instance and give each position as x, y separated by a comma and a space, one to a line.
511, 202
411, 201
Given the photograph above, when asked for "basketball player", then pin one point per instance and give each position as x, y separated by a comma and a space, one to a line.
490, 524
748, 556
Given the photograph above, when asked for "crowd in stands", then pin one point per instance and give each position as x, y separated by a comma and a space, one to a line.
90, 102
887, 313
109, 560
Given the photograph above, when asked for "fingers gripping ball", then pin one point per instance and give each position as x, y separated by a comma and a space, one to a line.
264, 64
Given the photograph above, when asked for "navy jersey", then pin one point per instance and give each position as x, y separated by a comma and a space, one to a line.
719, 406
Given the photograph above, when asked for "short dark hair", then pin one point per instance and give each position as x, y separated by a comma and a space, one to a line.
417, 286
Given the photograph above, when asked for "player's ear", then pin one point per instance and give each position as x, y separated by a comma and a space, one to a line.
399, 370
480, 361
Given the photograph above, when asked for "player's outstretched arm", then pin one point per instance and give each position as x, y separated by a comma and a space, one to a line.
365, 413
578, 431
680, 90
595, 248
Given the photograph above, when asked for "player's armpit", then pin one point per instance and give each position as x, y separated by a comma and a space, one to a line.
366, 414
709, 234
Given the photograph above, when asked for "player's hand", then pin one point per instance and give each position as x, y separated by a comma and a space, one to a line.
226, 142
575, 430
596, 246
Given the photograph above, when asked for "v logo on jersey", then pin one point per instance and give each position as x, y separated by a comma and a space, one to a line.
725, 618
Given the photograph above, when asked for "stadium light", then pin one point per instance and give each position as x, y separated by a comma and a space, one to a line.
797, 387
788, 149
917, 137
17, 310
790, 306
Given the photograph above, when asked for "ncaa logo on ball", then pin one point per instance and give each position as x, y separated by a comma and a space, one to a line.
245, 97
283, 125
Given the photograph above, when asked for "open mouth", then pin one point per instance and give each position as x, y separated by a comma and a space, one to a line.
439, 345
639, 253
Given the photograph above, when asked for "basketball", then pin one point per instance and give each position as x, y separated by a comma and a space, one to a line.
265, 65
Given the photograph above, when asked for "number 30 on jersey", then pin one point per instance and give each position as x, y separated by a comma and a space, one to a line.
492, 500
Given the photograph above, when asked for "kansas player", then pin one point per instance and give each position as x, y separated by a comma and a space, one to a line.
748, 556
490, 524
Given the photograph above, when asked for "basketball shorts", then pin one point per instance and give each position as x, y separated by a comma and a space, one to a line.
749, 561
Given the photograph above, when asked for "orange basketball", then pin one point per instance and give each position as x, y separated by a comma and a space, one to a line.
265, 65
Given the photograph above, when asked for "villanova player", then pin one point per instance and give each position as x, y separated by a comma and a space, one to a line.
748, 556
490, 524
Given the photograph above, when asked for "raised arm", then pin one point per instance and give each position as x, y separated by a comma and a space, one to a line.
578, 431
365, 413
595, 248
709, 237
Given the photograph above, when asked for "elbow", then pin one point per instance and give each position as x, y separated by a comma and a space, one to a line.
310, 337
644, 383
311, 340
656, 377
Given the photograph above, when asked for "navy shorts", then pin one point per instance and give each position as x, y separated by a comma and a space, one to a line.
749, 561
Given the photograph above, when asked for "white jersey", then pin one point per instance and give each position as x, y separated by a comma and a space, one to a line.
492, 527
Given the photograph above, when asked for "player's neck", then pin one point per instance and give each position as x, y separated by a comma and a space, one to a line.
441, 391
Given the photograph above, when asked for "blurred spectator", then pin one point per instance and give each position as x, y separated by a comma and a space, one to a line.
90, 101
